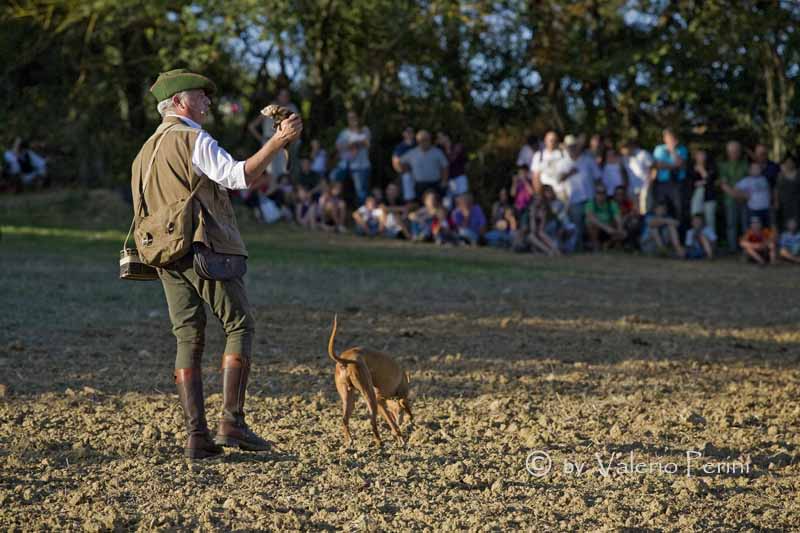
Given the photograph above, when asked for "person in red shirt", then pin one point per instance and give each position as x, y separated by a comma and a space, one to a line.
759, 242
631, 219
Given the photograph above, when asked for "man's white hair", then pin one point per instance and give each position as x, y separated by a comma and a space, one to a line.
166, 105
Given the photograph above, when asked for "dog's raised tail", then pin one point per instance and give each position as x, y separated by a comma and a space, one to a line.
331, 349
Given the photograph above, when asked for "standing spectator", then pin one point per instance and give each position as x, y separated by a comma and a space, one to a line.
703, 176
546, 165
638, 163
579, 174
457, 182
789, 242
406, 179
614, 174
429, 222
597, 149
754, 190
352, 147
603, 220
700, 239
261, 127
319, 158
468, 219
670, 160
427, 165
758, 242
731, 171
525, 155
504, 221
659, 229
787, 192
769, 169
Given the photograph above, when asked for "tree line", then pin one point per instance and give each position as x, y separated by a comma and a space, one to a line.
489, 72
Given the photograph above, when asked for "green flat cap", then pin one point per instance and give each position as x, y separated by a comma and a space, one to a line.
180, 79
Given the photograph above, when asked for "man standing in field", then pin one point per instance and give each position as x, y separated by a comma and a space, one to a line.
180, 157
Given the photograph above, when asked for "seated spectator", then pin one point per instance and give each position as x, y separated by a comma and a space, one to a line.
377, 193
332, 208
368, 218
469, 222
429, 222
789, 242
631, 220
753, 189
521, 192
700, 239
24, 168
394, 203
532, 235
660, 229
603, 220
504, 222
557, 224
758, 243
309, 179
614, 172
305, 208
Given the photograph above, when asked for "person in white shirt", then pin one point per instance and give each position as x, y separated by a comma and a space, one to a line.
353, 145
753, 189
638, 164
525, 155
546, 165
614, 174
578, 173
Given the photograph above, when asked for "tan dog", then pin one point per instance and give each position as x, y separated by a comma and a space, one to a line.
381, 381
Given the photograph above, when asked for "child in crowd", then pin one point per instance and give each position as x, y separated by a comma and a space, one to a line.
789, 243
557, 225
393, 203
332, 209
660, 229
754, 189
305, 209
522, 190
429, 222
504, 222
758, 242
368, 218
603, 220
700, 239
468, 220
631, 220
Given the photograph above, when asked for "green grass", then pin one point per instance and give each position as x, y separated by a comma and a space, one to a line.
86, 226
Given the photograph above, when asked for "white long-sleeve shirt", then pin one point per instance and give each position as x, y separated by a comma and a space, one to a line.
210, 159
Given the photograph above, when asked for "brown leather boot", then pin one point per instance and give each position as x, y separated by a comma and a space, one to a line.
190, 391
233, 430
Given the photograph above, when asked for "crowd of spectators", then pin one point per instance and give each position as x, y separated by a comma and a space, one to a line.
573, 195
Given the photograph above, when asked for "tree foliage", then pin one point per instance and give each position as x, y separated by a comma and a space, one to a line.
76, 73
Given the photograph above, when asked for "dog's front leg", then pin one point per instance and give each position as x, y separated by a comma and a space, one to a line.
389, 417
